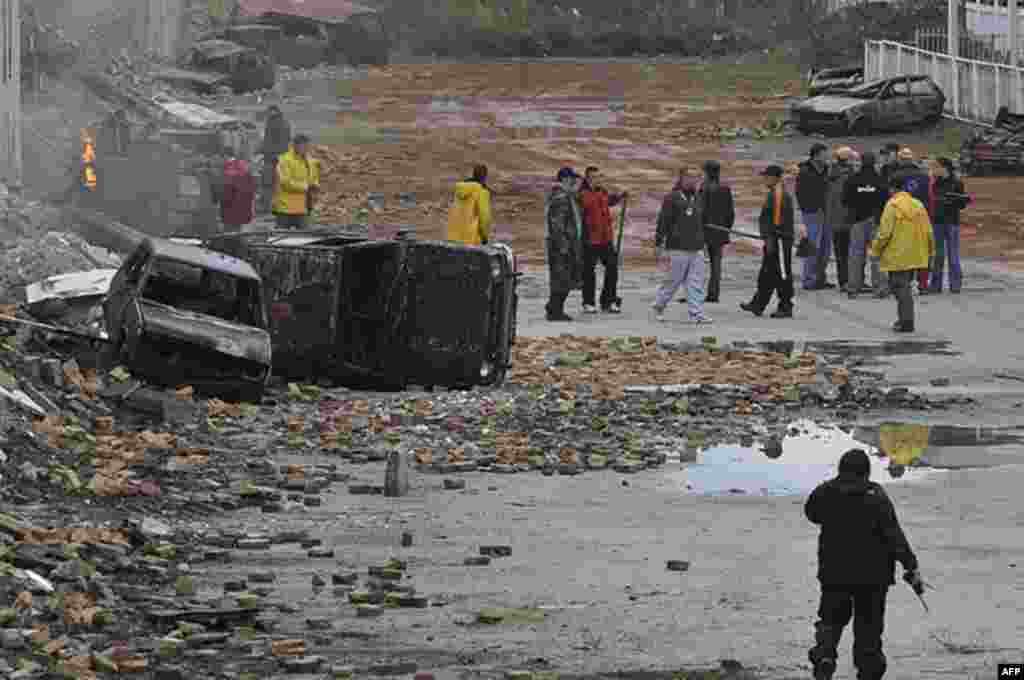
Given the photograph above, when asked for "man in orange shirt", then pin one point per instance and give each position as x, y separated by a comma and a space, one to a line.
599, 243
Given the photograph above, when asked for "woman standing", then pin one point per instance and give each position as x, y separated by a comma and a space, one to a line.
948, 198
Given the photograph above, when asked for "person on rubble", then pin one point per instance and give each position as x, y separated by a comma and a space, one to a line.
238, 193
276, 137
679, 243
469, 218
904, 246
860, 542
776, 224
297, 178
563, 239
599, 243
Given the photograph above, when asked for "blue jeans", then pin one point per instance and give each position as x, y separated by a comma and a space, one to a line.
947, 246
809, 270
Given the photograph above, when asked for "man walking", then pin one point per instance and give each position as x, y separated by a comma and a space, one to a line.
718, 210
599, 243
679, 239
563, 225
469, 218
298, 178
904, 245
811, 191
776, 226
860, 542
277, 135
837, 216
865, 197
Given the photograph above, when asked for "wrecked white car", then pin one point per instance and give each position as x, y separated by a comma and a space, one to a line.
179, 314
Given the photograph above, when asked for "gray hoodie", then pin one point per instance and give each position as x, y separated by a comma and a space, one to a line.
838, 215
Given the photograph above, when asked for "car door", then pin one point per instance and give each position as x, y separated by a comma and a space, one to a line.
121, 292
926, 100
894, 105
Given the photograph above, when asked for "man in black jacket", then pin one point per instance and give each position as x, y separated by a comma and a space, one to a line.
776, 226
860, 542
679, 239
718, 211
864, 196
811, 192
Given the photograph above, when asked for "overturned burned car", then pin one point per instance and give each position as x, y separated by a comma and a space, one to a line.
890, 104
179, 314
214, 64
999, 149
383, 313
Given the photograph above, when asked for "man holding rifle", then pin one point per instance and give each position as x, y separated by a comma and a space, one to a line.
777, 229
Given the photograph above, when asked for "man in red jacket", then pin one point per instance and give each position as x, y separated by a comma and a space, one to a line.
599, 243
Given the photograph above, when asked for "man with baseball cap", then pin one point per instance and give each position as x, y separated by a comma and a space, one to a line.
776, 226
563, 239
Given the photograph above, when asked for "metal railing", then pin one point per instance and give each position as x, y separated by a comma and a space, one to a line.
975, 89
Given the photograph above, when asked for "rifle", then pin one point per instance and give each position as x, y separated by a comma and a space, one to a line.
735, 231
622, 226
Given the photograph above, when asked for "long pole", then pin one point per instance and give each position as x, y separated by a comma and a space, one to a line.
622, 228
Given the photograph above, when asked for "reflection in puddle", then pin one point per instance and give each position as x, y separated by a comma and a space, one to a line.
899, 452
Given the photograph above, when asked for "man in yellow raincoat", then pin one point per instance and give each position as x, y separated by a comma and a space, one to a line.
469, 218
904, 245
296, 181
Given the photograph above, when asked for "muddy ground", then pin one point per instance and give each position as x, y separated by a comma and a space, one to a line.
417, 128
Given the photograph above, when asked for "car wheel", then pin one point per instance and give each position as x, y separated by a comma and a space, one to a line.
860, 127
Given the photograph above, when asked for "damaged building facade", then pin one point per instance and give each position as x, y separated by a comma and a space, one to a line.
10, 91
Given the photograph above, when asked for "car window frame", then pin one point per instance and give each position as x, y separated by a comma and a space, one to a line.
890, 92
925, 82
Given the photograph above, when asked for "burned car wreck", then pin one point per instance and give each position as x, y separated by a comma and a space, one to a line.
179, 314
383, 313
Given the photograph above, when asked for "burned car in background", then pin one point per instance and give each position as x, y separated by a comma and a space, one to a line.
179, 314
213, 64
831, 80
890, 104
383, 313
999, 149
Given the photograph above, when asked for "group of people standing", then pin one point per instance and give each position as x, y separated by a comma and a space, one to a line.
885, 209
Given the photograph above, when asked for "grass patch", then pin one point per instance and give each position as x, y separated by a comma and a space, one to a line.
953, 138
770, 75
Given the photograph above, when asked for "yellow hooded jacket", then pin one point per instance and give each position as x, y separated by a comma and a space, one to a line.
295, 176
905, 238
469, 219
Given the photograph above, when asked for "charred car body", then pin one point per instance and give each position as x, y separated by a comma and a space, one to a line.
214, 64
1000, 149
179, 314
831, 80
890, 104
384, 312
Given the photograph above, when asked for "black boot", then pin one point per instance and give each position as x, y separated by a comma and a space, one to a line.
556, 308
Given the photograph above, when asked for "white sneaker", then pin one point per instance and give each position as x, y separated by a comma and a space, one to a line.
589, 309
659, 315
701, 320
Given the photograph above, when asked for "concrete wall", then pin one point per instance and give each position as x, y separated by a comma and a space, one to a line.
10, 91
975, 90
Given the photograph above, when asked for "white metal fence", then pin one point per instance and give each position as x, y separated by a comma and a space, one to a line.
975, 90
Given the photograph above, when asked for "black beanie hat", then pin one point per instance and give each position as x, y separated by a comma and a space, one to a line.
855, 463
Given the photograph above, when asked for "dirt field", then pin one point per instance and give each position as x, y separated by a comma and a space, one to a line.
418, 128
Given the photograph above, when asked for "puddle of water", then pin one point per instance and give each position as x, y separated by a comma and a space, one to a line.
900, 452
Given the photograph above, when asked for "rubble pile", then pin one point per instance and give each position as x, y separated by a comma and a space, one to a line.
32, 259
20, 218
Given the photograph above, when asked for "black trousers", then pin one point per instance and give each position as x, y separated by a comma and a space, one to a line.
841, 248
714, 286
866, 604
609, 259
775, 277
